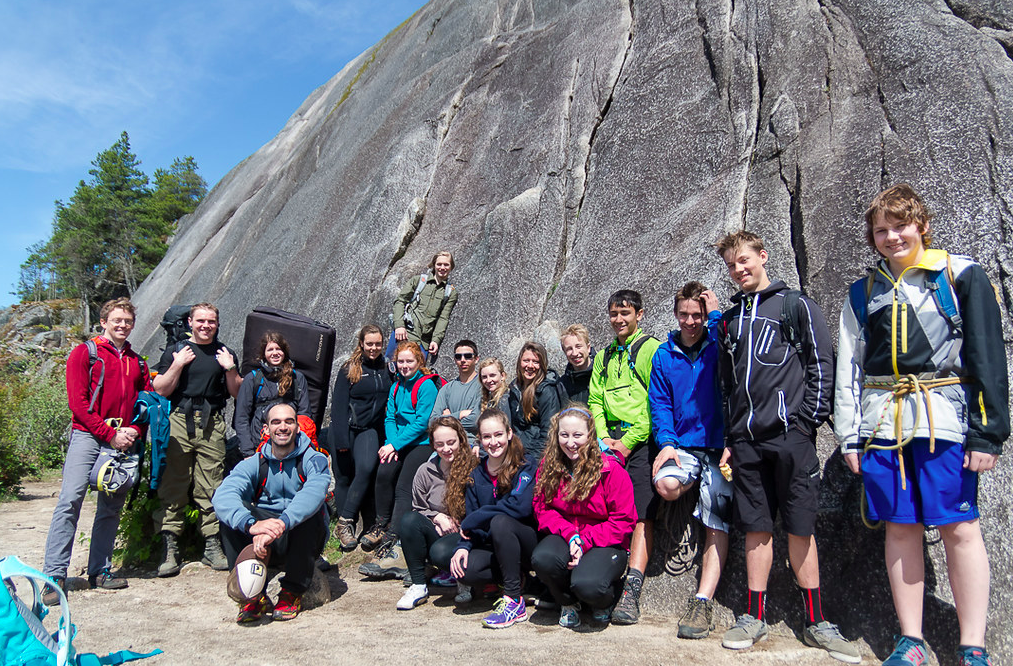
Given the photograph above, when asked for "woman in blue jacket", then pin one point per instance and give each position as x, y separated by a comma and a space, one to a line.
409, 405
497, 532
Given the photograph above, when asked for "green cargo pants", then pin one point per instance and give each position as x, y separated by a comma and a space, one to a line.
200, 460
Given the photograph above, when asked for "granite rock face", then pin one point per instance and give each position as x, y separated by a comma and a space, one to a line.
563, 149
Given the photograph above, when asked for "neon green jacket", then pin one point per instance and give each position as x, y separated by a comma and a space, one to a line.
615, 394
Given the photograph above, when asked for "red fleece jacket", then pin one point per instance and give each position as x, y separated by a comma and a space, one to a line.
126, 376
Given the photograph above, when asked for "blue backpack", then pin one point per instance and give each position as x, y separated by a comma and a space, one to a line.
24, 641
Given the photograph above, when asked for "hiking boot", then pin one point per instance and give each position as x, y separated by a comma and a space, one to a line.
463, 595
746, 632
373, 538
344, 532
908, 652
213, 555
825, 635
389, 562
413, 596
106, 580
255, 610
698, 620
627, 611
169, 566
506, 613
288, 606
569, 616
51, 597
973, 656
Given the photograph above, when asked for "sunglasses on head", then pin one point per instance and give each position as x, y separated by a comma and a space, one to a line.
464, 356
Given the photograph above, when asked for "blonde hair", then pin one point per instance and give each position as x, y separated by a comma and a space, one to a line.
580, 476
577, 331
491, 399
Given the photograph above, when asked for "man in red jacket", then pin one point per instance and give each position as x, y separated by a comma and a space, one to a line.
101, 395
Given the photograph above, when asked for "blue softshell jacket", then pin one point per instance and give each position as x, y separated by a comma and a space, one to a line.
685, 395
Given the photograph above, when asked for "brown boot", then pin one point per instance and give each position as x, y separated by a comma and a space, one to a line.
344, 532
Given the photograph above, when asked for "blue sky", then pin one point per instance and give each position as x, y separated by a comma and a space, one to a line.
215, 79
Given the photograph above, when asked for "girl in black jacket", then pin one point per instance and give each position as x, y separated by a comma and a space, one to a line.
273, 381
533, 398
358, 408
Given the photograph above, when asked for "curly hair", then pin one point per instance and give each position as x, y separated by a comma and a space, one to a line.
354, 362
529, 389
285, 381
464, 463
491, 399
580, 476
513, 458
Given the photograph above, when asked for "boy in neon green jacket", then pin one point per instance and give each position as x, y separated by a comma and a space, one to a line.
618, 401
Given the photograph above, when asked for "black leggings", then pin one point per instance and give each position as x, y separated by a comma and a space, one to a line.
394, 485
592, 581
419, 539
512, 544
354, 470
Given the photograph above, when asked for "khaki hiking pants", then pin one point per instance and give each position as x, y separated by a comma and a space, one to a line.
200, 460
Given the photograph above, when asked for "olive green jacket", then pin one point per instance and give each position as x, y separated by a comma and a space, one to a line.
428, 314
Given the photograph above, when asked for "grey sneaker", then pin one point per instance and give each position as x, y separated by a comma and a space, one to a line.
698, 621
827, 636
106, 580
464, 595
746, 632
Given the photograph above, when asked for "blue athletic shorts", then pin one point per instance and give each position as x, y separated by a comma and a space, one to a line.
714, 508
939, 490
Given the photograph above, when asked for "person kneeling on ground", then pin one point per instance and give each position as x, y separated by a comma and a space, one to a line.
497, 531
276, 499
432, 529
584, 500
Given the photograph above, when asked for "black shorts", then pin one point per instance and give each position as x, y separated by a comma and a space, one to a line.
781, 473
638, 466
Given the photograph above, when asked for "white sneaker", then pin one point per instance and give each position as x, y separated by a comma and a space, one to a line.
413, 596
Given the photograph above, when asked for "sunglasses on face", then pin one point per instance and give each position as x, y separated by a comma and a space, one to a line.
467, 356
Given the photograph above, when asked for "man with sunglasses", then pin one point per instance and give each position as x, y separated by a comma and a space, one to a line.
462, 397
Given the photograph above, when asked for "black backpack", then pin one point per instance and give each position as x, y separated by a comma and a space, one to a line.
176, 323
610, 351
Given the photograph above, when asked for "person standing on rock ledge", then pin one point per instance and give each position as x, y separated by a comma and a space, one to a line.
422, 309
776, 365
102, 388
275, 501
921, 337
617, 397
685, 399
198, 376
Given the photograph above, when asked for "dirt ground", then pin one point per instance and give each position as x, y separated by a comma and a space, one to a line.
193, 621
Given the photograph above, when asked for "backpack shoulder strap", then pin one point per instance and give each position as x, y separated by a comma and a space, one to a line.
941, 284
790, 305
418, 385
93, 358
263, 468
858, 297
59, 643
634, 350
423, 278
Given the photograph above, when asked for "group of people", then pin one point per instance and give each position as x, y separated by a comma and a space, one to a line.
548, 485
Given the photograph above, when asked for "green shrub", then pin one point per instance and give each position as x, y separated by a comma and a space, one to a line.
34, 420
137, 543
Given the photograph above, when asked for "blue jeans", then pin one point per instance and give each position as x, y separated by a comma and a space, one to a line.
81, 455
392, 345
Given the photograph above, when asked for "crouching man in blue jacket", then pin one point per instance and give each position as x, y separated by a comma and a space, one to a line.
275, 498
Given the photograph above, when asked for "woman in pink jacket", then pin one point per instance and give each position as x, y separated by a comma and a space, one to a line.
584, 501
